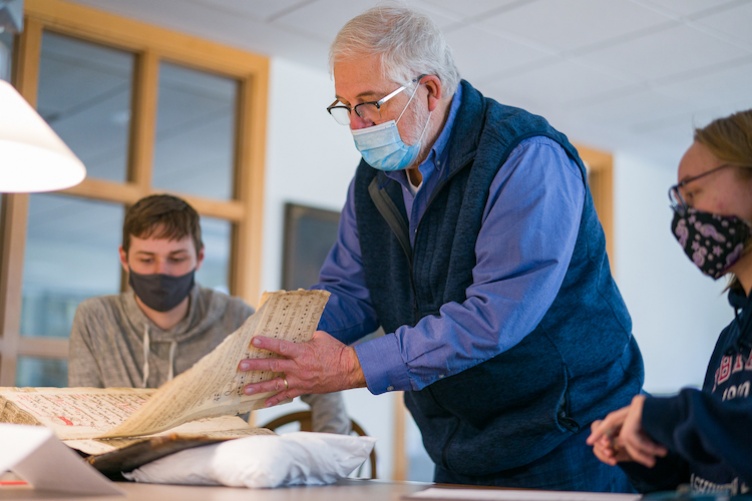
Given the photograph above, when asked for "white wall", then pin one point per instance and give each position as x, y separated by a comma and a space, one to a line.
310, 157
677, 312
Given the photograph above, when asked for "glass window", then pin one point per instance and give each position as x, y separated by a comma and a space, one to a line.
71, 254
32, 371
194, 148
215, 271
85, 96
6, 54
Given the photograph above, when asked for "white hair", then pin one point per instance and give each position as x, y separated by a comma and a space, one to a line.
409, 43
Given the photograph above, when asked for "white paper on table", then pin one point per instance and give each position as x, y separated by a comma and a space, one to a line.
40, 458
434, 493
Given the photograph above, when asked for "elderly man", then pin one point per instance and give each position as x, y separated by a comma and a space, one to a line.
469, 235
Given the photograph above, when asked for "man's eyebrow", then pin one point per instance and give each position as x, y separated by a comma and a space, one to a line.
362, 96
172, 252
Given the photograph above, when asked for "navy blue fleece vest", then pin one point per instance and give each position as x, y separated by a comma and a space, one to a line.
578, 364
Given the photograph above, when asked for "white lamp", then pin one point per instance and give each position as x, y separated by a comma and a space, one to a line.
32, 157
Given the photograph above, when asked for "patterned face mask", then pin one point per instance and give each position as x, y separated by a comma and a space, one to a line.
714, 243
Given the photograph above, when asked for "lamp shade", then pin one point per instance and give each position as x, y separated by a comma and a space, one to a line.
32, 157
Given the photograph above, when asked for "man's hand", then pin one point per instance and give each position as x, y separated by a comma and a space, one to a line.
619, 437
321, 365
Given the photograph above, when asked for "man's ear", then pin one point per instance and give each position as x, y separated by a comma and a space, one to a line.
123, 258
200, 258
435, 90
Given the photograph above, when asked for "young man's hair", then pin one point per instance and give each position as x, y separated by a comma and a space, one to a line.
162, 216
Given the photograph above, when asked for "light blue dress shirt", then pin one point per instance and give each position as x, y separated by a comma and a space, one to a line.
523, 250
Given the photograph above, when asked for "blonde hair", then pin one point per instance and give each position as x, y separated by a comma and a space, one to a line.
730, 140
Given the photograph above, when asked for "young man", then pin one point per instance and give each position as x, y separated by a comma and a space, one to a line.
470, 236
165, 322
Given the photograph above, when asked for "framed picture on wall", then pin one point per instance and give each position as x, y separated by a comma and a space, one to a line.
309, 234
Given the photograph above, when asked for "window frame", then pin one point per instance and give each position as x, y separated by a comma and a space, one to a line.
150, 46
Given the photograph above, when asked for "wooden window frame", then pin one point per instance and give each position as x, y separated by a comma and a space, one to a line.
150, 45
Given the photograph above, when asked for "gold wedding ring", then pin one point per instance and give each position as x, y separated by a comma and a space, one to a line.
287, 386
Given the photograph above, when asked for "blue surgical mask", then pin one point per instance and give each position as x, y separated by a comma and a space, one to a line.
382, 147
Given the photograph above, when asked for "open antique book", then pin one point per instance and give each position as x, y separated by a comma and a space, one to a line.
199, 406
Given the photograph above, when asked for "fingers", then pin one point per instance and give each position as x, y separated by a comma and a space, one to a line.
597, 432
285, 349
604, 437
605, 453
619, 437
603, 444
608, 427
280, 387
276, 385
636, 442
266, 364
321, 365
641, 449
278, 346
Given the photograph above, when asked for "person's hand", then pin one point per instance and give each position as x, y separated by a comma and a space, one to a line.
321, 365
620, 437
604, 437
639, 446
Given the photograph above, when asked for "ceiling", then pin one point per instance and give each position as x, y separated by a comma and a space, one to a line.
621, 75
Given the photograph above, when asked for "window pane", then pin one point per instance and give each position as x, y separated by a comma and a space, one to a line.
31, 371
193, 152
85, 95
214, 272
6, 54
71, 254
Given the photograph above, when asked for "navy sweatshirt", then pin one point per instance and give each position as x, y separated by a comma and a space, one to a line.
708, 432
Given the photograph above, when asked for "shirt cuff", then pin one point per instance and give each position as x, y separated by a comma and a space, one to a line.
382, 365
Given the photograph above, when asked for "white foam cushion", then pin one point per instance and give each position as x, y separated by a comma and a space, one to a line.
264, 461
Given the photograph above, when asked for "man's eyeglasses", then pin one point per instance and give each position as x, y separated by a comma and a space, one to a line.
674, 193
369, 110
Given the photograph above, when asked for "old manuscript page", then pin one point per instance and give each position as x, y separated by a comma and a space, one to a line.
73, 413
221, 427
213, 386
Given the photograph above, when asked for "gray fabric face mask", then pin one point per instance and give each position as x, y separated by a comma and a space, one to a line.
161, 292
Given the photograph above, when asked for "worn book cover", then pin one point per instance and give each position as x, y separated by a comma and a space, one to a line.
127, 427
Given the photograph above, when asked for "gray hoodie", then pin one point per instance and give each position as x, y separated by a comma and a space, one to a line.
114, 344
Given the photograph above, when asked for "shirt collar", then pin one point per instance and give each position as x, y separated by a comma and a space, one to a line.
437, 156
438, 151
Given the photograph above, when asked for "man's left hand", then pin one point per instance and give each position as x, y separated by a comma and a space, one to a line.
321, 365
